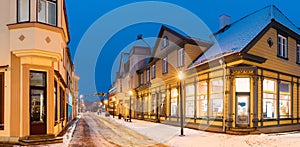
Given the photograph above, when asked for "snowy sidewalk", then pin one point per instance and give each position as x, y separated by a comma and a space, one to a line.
168, 135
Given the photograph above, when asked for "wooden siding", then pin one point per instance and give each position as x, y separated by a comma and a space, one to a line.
262, 49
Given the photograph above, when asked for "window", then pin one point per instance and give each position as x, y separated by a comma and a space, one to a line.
298, 53
180, 57
46, 10
285, 100
190, 100
153, 71
269, 99
148, 75
242, 84
282, 46
23, 10
216, 96
201, 102
146, 110
165, 42
174, 94
55, 101
1, 101
142, 78
165, 65
153, 104
62, 104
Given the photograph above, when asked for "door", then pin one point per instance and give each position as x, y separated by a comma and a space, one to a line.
38, 105
242, 110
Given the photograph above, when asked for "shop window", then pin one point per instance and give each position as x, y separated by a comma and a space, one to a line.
174, 95
23, 10
1, 101
269, 99
153, 103
146, 110
282, 46
216, 99
163, 104
190, 101
62, 104
46, 10
180, 57
165, 65
285, 100
201, 102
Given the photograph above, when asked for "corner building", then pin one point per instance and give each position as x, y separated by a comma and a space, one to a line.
36, 70
246, 82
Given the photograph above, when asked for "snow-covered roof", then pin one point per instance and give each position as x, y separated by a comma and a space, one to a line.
236, 36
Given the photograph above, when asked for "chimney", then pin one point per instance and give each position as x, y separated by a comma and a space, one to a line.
224, 20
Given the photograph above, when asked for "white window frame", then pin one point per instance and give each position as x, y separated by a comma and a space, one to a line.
47, 11
165, 65
298, 53
148, 75
165, 42
180, 57
142, 78
22, 9
282, 46
153, 71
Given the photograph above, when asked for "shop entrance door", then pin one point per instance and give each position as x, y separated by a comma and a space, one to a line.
242, 110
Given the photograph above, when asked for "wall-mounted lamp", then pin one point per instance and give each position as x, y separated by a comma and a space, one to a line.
270, 42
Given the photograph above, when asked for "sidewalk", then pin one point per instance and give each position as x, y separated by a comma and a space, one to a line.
169, 135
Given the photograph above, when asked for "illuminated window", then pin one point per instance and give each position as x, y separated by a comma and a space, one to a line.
285, 100
174, 95
216, 99
201, 100
190, 100
269, 99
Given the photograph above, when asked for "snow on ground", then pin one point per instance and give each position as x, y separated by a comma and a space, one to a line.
168, 135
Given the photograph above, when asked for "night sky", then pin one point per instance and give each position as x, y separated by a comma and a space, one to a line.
82, 14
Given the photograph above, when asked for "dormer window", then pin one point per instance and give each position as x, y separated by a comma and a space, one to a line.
165, 42
46, 10
282, 47
23, 10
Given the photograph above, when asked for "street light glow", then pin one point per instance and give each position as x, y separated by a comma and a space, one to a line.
180, 75
130, 93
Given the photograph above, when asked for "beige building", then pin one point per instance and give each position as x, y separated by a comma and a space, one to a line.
36, 70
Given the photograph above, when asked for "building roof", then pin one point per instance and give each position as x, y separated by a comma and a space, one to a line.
236, 36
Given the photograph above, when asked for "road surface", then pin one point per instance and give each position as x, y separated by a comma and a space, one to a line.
95, 131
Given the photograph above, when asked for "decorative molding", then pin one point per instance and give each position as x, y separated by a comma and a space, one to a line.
48, 39
22, 38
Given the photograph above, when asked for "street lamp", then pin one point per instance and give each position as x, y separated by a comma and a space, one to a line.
130, 94
114, 100
180, 77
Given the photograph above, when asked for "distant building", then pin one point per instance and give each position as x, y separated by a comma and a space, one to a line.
36, 71
246, 82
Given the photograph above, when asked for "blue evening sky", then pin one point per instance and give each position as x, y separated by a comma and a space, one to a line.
83, 14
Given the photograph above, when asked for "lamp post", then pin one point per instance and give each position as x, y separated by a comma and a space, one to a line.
130, 94
114, 100
181, 76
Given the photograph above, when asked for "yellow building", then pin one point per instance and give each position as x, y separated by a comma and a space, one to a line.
245, 81
36, 71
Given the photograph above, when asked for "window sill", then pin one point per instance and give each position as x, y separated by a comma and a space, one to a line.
285, 58
298, 63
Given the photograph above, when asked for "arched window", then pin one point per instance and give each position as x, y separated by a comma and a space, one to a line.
165, 42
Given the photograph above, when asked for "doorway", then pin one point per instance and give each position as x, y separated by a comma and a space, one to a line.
242, 102
38, 105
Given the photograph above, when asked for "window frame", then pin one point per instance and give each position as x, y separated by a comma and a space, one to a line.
274, 100
213, 99
18, 12
199, 101
148, 75
289, 100
165, 65
165, 42
298, 53
62, 97
153, 71
190, 94
47, 21
2, 101
180, 57
281, 47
